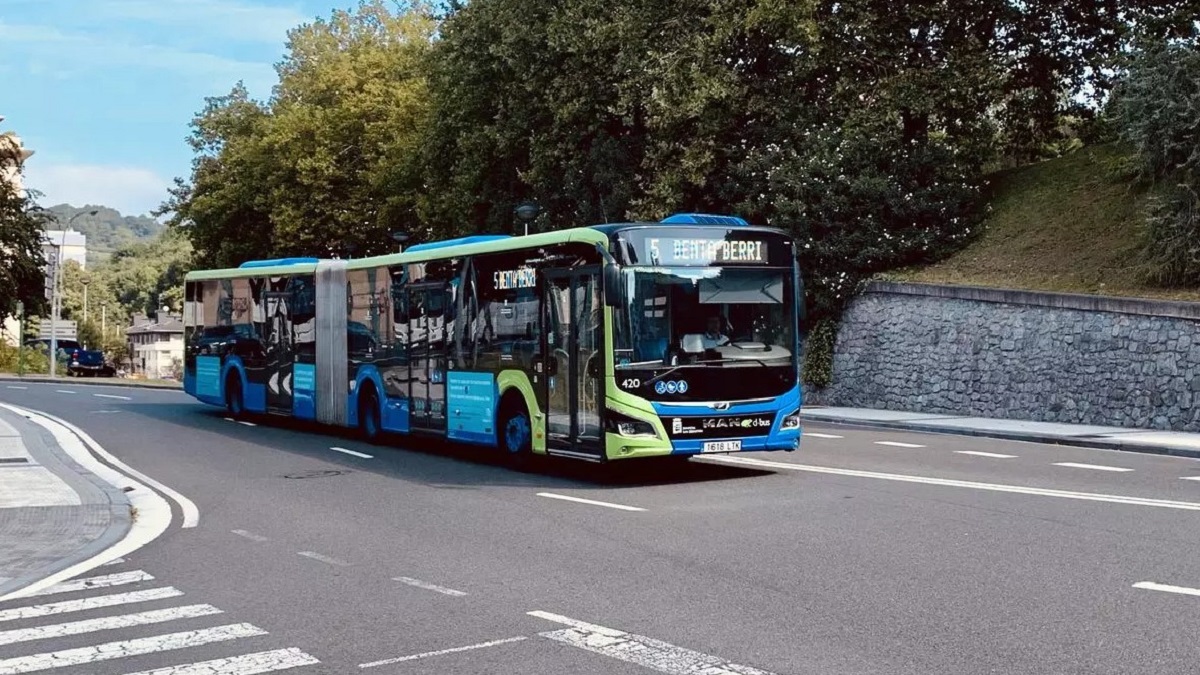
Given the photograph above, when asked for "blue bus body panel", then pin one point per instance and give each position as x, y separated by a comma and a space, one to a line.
304, 391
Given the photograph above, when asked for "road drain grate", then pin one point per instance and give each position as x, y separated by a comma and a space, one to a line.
14, 460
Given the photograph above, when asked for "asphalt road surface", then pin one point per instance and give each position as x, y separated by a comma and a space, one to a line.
868, 551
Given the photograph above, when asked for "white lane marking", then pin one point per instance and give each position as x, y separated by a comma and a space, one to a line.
980, 453
429, 587
12, 387
442, 652
105, 581
581, 500
127, 648
246, 664
58, 630
640, 650
1181, 590
972, 485
324, 558
84, 604
64, 391
898, 444
105, 412
353, 453
1189, 478
1094, 467
813, 434
249, 535
114, 396
247, 424
153, 510
229, 419
116, 561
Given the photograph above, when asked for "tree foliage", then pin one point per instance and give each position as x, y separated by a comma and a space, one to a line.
22, 265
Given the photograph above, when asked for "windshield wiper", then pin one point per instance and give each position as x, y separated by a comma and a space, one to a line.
660, 376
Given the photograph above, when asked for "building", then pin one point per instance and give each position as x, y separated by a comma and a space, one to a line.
156, 346
74, 246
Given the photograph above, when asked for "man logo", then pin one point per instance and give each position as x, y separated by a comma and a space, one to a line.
683, 386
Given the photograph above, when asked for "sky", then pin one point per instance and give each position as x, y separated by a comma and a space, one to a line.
103, 90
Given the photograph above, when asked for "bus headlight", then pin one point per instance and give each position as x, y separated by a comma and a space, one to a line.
627, 426
790, 421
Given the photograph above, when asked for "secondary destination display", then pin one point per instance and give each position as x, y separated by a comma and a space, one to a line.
506, 280
672, 251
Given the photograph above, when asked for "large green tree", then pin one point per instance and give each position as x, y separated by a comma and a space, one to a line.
331, 164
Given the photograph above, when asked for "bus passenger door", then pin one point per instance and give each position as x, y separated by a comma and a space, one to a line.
427, 355
574, 363
279, 353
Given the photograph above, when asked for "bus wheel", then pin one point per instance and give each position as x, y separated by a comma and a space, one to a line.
234, 402
516, 433
368, 416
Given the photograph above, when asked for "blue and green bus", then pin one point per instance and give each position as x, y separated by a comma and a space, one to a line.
600, 343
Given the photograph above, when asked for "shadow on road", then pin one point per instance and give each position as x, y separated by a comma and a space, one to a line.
432, 461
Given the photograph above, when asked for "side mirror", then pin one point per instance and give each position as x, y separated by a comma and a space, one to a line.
612, 285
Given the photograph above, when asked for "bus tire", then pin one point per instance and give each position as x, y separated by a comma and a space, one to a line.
369, 427
235, 402
515, 431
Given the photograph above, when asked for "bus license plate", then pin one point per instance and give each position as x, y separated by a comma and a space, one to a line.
722, 446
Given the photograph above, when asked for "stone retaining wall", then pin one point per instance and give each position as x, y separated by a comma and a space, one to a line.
1013, 354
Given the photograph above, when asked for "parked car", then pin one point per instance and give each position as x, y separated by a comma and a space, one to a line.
65, 347
89, 362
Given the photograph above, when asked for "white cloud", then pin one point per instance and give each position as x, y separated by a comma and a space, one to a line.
50, 50
227, 18
130, 190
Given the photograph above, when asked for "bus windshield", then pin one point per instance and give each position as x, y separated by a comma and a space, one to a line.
708, 317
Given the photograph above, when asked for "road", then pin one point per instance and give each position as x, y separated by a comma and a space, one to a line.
869, 551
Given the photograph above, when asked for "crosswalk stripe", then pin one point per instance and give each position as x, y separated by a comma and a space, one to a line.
34, 611
246, 664
118, 579
127, 648
117, 561
105, 623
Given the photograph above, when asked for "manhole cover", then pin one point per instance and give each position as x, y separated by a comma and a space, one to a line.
324, 473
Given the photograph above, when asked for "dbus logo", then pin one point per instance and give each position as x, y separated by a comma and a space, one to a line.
671, 387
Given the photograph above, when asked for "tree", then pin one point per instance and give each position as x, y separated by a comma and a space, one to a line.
22, 263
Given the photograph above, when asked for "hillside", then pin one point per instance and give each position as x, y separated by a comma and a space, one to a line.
108, 230
1069, 225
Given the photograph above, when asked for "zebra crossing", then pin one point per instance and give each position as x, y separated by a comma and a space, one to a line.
94, 624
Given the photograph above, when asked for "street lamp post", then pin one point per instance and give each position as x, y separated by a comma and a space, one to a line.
400, 238
56, 300
85, 302
527, 212
104, 320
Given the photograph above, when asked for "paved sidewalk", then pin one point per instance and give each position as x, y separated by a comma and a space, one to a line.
53, 513
1113, 438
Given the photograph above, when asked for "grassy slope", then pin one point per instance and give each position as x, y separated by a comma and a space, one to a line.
1069, 225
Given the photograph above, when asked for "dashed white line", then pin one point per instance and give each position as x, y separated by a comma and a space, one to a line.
1181, 590
119, 579
324, 558
85, 604
106, 623
113, 396
229, 419
972, 485
63, 391
429, 587
114, 561
898, 444
640, 650
353, 453
127, 648
12, 387
1189, 478
246, 424
250, 535
1094, 467
580, 500
980, 453
813, 434
442, 652
246, 664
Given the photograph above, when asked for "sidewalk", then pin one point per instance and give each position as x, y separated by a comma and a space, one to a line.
1178, 443
53, 513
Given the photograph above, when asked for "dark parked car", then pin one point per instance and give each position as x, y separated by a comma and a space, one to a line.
89, 362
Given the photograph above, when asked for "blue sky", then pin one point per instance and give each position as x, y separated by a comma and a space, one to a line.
103, 90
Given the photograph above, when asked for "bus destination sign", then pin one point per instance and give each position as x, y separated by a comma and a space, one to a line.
690, 251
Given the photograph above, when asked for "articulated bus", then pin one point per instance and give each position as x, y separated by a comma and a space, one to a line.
599, 343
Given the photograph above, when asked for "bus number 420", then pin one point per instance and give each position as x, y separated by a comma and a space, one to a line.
630, 383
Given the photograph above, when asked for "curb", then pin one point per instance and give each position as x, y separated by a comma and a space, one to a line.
90, 382
1031, 437
79, 479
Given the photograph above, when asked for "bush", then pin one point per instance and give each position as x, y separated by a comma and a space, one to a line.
1156, 109
35, 360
